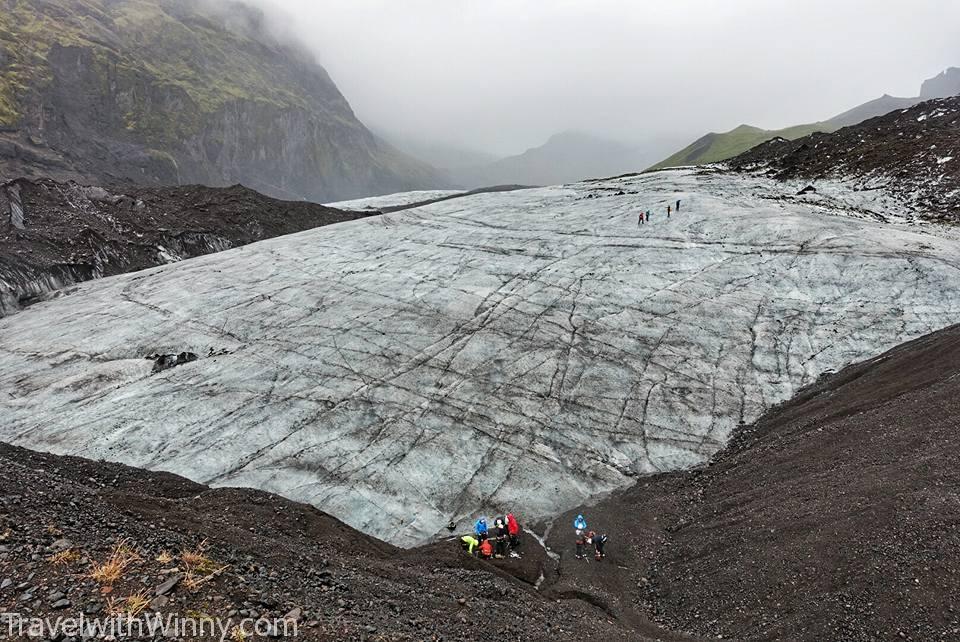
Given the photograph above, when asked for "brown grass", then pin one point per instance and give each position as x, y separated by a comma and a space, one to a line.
165, 557
112, 569
197, 561
132, 605
137, 603
65, 558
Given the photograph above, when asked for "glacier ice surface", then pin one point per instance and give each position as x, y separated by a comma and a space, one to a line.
523, 350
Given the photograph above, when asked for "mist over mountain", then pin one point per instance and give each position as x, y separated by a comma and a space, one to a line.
446, 156
162, 92
563, 158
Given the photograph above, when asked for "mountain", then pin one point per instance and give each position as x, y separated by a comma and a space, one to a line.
910, 154
715, 147
944, 85
564, 158
159, 92
876, 107
524, 351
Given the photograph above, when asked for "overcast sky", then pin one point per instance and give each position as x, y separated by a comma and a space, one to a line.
503, 75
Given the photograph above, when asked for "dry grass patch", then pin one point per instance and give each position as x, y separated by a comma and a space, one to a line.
197, 559
198, 563
165, 558
138, 603
112, 569
132, 605
65, 558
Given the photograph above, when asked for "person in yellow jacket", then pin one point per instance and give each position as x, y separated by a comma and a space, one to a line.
469, 543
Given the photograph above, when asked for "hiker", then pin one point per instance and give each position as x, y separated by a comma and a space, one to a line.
486, 549
451, 526
640, 220
579, 524
668, 211
678, 206
581, 542
500, 537
469, 543
513, 529
648, 216
480, 528
599, 541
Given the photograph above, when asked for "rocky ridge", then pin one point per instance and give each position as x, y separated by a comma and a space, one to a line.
911, 155
54, 235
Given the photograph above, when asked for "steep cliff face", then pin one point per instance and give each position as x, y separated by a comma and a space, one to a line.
172, 91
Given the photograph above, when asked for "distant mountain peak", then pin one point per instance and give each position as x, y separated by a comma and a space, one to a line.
943, 85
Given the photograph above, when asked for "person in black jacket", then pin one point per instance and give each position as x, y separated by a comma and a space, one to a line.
599, 543
500, 538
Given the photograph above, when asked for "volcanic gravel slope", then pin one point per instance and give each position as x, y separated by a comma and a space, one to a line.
266, 559
835, 517
520, 351
911, 154
54, 234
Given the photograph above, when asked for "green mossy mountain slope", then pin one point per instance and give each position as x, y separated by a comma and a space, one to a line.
716, 147
180, 91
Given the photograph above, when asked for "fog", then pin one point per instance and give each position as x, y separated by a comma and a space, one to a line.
503, 75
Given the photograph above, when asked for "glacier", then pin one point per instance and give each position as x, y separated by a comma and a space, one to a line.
520, 351
399, 199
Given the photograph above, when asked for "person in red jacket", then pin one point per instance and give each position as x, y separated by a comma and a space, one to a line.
513, 528
486, 549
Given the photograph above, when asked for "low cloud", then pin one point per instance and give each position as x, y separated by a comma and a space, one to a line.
503, 75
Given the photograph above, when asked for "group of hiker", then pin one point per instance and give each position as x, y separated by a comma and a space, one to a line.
501, 538
645, 216
586, 538
493, 540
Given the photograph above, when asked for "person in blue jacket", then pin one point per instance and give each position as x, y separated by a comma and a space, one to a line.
480, 528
